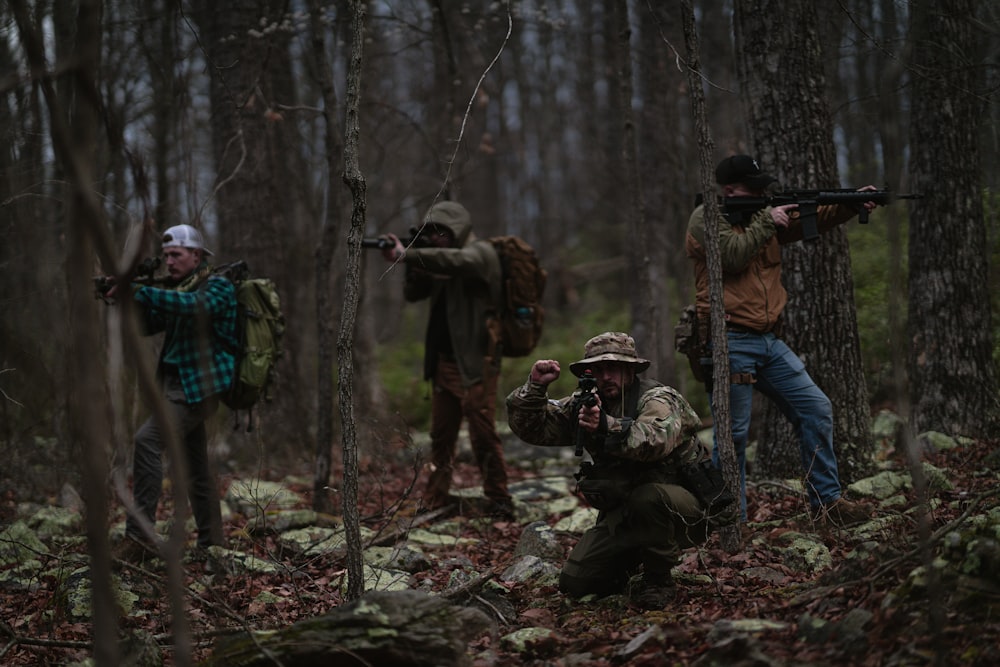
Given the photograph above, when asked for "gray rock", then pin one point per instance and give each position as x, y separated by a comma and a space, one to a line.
538, 539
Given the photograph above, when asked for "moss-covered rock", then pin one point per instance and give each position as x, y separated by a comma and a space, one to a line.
381, 628
805, 553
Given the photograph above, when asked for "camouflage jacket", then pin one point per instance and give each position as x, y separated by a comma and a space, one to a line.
652, 424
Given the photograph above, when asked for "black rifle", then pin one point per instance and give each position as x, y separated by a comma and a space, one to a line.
414, 240
808, 201
143, 274
585, 395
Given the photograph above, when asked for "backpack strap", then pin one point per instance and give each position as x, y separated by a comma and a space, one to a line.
236, 420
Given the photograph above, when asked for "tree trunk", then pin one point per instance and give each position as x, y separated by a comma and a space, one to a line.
326, 250
30, 364
891, 124
166, 111
783, 90
953, 377
445, 109
638, 247
354, 178
665, 205
730, 535
254, 193
74, 121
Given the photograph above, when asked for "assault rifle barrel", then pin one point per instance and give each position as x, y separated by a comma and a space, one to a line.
809, 200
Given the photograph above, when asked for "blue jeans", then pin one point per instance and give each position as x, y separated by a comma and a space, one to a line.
781, 376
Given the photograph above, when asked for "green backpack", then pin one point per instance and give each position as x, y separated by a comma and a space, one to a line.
260, 326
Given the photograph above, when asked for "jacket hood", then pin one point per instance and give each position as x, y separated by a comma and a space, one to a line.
454, 216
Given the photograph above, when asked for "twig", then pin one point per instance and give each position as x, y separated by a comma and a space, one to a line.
465, 120
792, 491
16, 640
5, 394
471, 585
500, 616
406, 527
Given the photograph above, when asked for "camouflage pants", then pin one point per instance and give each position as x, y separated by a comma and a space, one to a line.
650, 529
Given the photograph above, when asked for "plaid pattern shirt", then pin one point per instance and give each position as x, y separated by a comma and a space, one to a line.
200, 328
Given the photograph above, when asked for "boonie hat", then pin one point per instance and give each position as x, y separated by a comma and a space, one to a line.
742, 169
609, 346
184, 236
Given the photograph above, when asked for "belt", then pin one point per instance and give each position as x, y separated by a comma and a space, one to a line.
742, 329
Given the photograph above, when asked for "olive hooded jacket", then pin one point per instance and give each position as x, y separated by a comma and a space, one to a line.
468, 277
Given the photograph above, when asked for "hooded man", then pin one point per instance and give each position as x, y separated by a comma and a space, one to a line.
461, 276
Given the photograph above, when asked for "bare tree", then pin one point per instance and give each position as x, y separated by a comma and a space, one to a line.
251, 83
31, 197
74, 133
325, 252
730, 535
356, 181
891, 133
793, 136
663, 161
639, 247
953, 377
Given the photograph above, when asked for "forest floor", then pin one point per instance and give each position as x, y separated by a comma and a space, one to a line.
748, 608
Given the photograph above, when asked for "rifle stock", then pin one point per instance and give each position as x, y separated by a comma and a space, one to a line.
808, 201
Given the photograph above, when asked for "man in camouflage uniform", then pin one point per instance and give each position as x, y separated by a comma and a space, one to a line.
639, 433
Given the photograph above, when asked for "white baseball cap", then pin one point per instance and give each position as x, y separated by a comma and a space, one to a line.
184, 236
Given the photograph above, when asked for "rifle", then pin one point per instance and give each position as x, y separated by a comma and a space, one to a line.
585, 395
143, 274
414, 240
809, 201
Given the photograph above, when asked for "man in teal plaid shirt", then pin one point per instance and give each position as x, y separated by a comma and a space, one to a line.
196, 311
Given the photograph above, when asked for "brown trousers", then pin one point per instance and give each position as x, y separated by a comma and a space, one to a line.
450, 403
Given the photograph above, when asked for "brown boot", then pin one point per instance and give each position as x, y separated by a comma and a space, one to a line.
843, 513
447, 502
135, 551
653, 591
500, 509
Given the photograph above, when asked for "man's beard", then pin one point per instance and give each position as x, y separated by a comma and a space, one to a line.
610, 392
